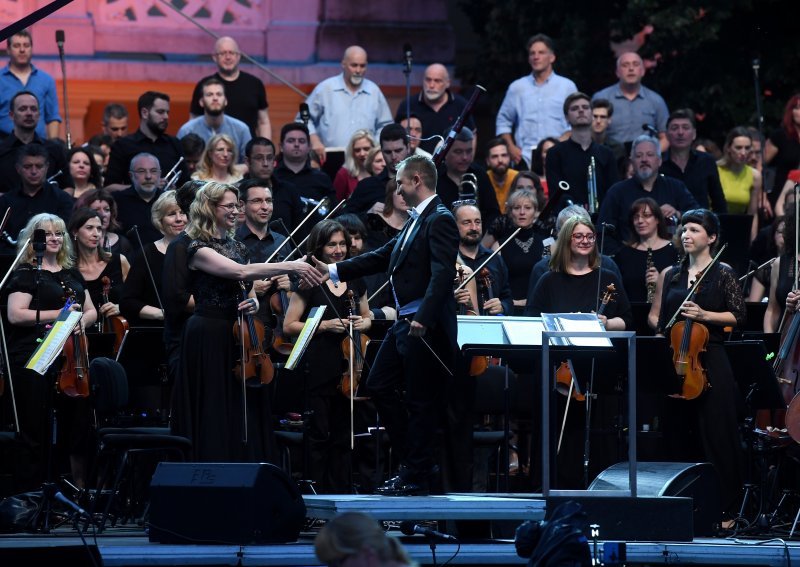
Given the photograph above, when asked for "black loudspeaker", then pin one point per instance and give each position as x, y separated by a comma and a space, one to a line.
224, 503
698, 481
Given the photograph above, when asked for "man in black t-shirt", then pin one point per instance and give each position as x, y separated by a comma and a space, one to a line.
247, 98
259, 156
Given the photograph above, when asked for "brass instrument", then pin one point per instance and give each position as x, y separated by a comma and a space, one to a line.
651, 286
468, 188
591, 178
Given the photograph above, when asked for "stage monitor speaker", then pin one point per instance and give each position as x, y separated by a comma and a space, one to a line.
225, 503
698, 481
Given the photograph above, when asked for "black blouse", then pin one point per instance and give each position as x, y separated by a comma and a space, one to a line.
212, 293
138, 290
633, 265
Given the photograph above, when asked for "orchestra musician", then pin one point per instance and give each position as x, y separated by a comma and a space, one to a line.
419, 350
209, 402
329, 426
711, 419
102, 201
33, 392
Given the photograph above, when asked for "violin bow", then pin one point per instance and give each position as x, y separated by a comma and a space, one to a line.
492, 255
696, 284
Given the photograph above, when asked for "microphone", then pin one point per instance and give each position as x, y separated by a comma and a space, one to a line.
60, 41
305, 113
608, 226
39, 245
650, 130
410, 528
408, 57
132, 230
52, 491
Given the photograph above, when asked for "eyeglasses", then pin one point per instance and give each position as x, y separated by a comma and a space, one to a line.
231, 207
259, 202
54, 235
588, 237
153, 172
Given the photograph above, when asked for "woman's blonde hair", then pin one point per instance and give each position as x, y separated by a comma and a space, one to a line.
352, 532
56, 224
205, 168
562, 253
349, 160
203, 223
161, 207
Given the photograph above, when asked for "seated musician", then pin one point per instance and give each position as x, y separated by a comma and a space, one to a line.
329, 429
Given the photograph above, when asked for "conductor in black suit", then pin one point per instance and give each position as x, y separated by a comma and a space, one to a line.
418, 354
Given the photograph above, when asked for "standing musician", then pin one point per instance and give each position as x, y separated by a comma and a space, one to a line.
257, 203
329, 428
571, 286
32, 391
717, 303
419, 350
782, 278
208, 400
141, 302
94, 263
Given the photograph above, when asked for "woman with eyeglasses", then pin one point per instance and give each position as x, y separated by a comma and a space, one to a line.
525, 249
141, 303
57, 283
209, 400
649, 251
706, 428
103, 272
329, 428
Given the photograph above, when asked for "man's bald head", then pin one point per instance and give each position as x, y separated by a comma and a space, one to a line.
354, 65
436, 82
227, 56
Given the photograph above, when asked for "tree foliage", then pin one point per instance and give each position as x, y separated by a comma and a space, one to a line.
700, 53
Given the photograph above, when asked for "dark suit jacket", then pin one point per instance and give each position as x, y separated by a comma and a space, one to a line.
425, 268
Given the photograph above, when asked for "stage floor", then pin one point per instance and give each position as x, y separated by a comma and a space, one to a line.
129, 545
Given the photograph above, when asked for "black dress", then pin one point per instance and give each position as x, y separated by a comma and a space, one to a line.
520, 255
112, 270
207, 404
138, 290
329, 429
785, 281
713, 415
33, 390
632, 264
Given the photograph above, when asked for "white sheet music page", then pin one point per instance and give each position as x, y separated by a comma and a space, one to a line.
583, 325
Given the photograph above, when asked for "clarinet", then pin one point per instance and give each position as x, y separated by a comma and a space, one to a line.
651, 286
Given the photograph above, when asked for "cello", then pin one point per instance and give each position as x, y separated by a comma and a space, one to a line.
73, 378
254, 362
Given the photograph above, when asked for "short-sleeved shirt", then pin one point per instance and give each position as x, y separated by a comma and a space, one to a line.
435, 122
246, 96
648, 107
39, 83
236, 129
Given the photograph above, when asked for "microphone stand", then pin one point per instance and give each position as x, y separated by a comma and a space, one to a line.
67, 128
760, 122
407, 73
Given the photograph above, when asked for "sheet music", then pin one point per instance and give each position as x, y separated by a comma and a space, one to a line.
582, 325
309, 328
53, 342
523, 332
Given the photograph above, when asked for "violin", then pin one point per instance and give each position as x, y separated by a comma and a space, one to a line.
461, 275
279, 303
73, 378
254, 363
116, 324
479, 364
352, 376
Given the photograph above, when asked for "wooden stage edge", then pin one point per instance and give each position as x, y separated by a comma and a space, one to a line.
129, 545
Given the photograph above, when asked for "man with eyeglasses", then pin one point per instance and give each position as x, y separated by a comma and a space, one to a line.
135, 202
247, 97
151, 138
259, 156
570, 160
671, 194
455, 184
32, 195
255, 199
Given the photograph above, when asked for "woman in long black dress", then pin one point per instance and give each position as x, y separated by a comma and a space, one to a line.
94, 263
32, 391
208, 400
718, 303
651, 240
329, 430
141, 302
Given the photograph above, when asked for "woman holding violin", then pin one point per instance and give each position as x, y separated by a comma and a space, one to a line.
58, 282
716, 302
210, 401
141, 296
329, 430
103, 272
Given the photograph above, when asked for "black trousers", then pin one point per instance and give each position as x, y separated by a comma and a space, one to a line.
405, 364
